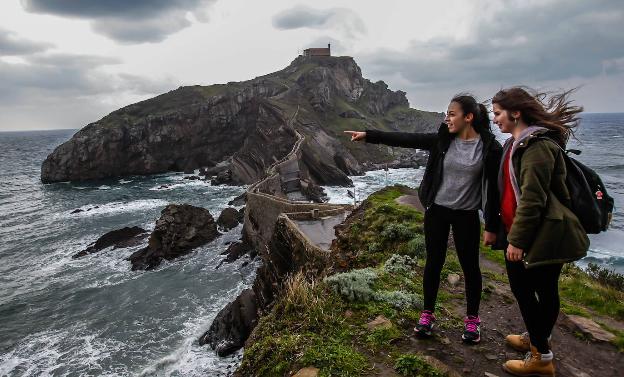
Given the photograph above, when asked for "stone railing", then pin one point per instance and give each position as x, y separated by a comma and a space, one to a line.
266, 201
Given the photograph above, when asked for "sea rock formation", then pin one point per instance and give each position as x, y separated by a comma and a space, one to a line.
124, 237
180, 228
235, 131
229, 218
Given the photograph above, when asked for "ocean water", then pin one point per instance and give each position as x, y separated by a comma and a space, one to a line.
93, 316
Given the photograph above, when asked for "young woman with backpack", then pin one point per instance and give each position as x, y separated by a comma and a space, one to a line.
460, 178
541, 231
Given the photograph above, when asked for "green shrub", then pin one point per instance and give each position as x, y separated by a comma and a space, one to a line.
606, 276
400, 264
416, 247
357, 285
397, 232
374, 247
400, 299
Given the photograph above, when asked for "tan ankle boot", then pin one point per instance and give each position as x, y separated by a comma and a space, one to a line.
532, 365
519, 342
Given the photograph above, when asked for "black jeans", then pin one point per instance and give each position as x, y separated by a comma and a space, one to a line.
537, 291
466, 235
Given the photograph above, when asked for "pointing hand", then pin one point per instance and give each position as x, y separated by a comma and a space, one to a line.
356, 135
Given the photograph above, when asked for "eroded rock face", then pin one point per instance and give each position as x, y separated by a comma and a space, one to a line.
180, 228
232, 326
237, 130
284, 255
124, 237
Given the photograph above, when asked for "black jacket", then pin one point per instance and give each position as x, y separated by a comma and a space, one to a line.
437, 145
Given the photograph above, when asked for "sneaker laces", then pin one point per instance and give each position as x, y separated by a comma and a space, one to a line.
471, 323
426, 317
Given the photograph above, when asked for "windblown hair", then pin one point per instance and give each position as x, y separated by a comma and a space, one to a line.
469, 104
551, 110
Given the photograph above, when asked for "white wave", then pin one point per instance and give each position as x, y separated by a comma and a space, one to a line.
189, 358
113, 208
183, 183
372, 181
71, 351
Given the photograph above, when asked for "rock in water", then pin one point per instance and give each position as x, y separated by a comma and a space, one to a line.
229, 218
232, 326
180, 228
124, 237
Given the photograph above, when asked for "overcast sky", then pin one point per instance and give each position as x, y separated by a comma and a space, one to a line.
65, 63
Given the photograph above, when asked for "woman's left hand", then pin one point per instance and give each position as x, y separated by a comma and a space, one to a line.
514, 254
489, 238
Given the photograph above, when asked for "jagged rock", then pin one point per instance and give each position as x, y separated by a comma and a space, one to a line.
239, 200
307, 372
124, 237
587, 327
234, 251
232, 326
192, 177
229, 218
313, 192
180, 228
453, 279
222, 178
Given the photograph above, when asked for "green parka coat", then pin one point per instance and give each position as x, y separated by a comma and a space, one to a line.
544, 226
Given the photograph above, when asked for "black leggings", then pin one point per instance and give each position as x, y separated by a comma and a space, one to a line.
466, 235
537, 291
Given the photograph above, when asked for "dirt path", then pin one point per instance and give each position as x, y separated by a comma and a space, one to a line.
500, 315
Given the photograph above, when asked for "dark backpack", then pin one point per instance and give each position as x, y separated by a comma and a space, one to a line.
589, 199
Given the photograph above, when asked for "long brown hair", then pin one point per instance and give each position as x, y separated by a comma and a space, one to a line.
551, 110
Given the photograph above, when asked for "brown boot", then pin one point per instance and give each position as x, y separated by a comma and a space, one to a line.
532, 365
521, 342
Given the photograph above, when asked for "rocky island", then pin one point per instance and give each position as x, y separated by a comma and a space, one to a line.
235, 131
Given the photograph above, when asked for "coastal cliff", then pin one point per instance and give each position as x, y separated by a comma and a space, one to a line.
241, 128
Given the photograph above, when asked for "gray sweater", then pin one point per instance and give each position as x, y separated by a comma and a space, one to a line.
461, 175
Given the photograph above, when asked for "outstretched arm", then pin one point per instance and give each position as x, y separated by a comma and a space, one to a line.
396, 139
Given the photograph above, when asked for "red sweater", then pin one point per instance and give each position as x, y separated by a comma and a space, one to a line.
508, 197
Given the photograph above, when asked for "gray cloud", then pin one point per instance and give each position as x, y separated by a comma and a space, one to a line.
12, 45
52, 90
556, 40
343, 20
128, 22
70, 75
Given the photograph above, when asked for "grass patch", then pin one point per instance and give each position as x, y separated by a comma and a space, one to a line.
416, 366
382, 337
306, 327
578, 287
